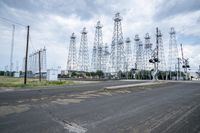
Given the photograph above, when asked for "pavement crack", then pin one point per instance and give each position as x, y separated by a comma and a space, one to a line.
70, 126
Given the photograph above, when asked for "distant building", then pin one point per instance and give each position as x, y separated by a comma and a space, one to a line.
52, 74
194, 76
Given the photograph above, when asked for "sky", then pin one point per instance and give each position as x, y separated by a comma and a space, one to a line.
53, 21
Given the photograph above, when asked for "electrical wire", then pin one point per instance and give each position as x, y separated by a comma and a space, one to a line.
31, 44
11, 21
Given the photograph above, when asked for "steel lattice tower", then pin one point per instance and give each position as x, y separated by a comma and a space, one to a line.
12, 48
36, 61
97, 54
173, 50
94, 58
129, 55
139, 53
161, 53
44, 60
147, 52
83, 57
106, 55
72, 55
30, 64
117, 46
33, 64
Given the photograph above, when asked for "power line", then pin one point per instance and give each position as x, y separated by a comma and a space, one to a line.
11, 21
31, 43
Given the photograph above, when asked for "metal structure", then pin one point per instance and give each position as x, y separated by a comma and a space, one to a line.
199, 73
17, 66
44, 60
12, 48
147, 52
121, 57
83, 58
106, 57
154, 60
139, 53
117, 47
178, 69
34, 58
6, 70
129, 55
97, 54
185, 63
72, 54
173, 52
161, 52
155, 57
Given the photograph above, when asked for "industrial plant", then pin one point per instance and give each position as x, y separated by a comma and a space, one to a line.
139, 58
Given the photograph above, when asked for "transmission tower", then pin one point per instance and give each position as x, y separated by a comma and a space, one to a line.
147, 52
173, 51
139, 53
97, 53
129, 54
161, 52
117, 46
72, 55
83, 58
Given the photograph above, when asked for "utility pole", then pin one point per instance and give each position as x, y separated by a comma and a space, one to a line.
12, 47
26, 57
40, 76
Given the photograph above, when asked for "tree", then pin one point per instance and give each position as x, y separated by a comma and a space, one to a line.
73, 74
88, 74
99, 73
93, 74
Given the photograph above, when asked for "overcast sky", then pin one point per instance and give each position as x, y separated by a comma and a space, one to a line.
53, 21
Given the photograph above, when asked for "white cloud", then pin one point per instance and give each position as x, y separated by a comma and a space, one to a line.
53, 29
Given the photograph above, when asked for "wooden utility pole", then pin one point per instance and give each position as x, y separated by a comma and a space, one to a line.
40, 76
26, 57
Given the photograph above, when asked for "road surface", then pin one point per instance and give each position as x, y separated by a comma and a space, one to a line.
166, 108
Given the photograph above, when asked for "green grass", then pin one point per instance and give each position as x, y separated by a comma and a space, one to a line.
31, 83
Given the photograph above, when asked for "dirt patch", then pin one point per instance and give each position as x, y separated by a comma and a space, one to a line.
7, 110
67, 101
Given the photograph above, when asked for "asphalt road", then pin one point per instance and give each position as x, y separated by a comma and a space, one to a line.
167, 108
13, 96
